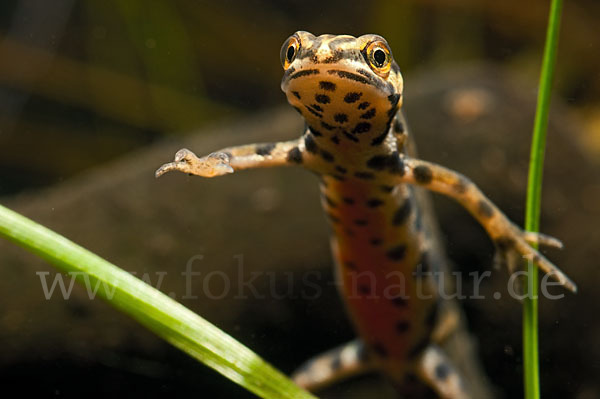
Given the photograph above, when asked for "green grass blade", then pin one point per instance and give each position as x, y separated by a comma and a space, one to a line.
155, 310
532, 212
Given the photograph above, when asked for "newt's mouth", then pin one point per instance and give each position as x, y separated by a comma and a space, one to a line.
348, 75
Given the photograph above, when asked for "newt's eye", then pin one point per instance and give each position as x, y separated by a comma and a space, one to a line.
289, 50
379, 57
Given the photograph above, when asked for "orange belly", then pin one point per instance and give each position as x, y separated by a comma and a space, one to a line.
378, 249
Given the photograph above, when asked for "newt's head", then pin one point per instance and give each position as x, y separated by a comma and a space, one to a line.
345, 84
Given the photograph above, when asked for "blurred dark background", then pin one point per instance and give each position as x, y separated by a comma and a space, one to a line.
92, 80
94, 92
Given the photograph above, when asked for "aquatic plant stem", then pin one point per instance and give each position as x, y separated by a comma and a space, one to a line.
153, 309
532, 212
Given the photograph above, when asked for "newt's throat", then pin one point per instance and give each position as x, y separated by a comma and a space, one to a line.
335, 105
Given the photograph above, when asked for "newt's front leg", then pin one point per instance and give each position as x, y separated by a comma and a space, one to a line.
232, 159
508, 237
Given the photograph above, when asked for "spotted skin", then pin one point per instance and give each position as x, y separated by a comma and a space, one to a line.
334, 365
349, 91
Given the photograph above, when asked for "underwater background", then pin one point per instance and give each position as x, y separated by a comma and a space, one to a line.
95, 95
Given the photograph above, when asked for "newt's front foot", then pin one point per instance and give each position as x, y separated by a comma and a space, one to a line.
542, 240
215, 164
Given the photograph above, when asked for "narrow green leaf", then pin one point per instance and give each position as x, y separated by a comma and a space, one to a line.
532, 213
155, 310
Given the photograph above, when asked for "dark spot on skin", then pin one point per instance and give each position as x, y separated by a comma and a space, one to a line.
379, 139
391, 162
322, 99
396, 253
423, 174
362, 127
393, 99
340, 118
316, 107
294, 155
312, 111
361, 352
349, 232
265, 149
337, 55
378, 162
288, 72
352, 97
341, 169
298, 110
350, 265
295, 93
423, 267
485, 209
504, 243
327, 125
364, 175
379, 349
308, 53
336, 362
364, 72
398, 126
327, 156
396, 163
387, 189
305, 72
349, 136
369, 114
315, 132
306, 367
348, 200
374, 202
330, 86
399, 302
310, 144
364, 289
352, 76
402, 326
335, 139
329, 201
361, 222
376, 241
402, 213
442, 371
338, 177
364, 105
334, 219
418, 348
460, 186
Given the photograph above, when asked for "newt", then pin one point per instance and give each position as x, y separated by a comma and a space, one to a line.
349, 90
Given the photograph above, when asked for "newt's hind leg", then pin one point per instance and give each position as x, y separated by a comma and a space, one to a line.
435, 369
332, 366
